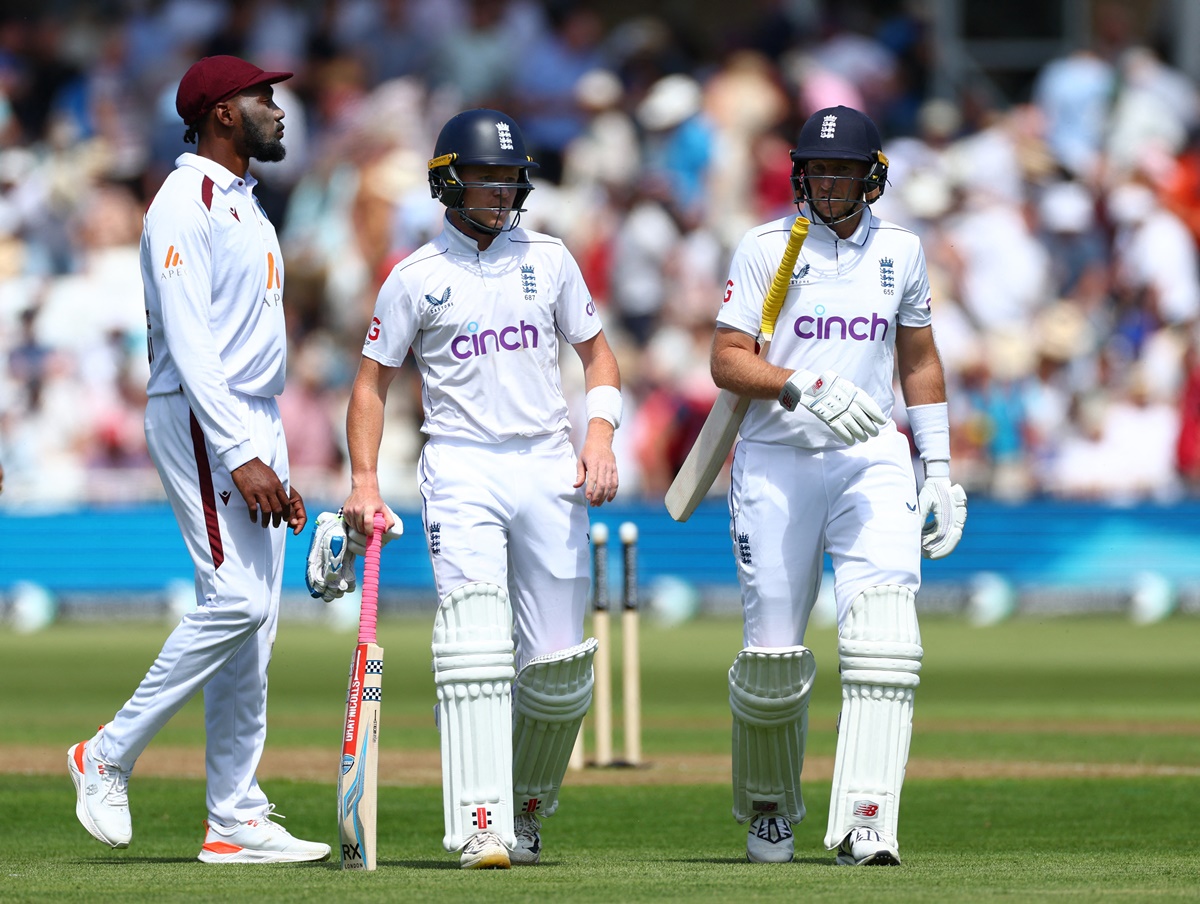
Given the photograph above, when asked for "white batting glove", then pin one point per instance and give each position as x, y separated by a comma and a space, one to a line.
943, 507
329, 571
850, 413
358, 541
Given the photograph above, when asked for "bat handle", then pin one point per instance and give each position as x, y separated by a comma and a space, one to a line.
369, 614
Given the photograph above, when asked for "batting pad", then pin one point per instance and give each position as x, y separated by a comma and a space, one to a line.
473, 671
552, 696
768, 693
880, 652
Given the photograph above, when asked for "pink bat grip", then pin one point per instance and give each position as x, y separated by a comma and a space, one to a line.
369, 613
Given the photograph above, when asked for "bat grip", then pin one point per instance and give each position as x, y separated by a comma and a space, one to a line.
369, 614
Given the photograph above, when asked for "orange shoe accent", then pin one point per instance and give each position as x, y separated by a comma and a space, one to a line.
221, 847
79, 756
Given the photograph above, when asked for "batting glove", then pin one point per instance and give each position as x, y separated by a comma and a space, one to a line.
943, 507
358, 541
851, 414
329, 571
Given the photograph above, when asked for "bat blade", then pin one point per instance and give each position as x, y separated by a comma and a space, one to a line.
359, 775
358, 778
709, 452
707, 455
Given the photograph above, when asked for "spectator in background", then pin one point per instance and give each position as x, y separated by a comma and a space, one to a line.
1155, 263
1073, 93
544, 83
678, 142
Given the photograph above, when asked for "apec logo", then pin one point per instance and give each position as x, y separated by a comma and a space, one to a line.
479, 342
859, 329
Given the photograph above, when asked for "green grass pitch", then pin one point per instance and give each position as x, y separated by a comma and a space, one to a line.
1052, 760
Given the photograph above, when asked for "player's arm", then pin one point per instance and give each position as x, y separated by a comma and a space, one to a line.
922, 379
364, 433
943, 505
736, 366
596, 469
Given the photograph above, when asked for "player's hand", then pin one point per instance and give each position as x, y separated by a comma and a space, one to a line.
358, 540
850, 413
329, 569
596, 468
297, 515
943, 508
358, 513
264, 493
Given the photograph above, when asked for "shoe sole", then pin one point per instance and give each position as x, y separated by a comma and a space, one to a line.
488, 860
787, 859
879, 858
81, 810
248, 856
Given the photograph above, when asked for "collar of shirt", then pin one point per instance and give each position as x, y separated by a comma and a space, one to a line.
221, 177
458, 242
818, 230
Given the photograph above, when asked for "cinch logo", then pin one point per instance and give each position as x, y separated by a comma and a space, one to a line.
860, 329
476, 343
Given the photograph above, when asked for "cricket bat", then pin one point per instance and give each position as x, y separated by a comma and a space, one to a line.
720, 429
358, 780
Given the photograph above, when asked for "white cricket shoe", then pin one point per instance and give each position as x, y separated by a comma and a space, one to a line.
259, 840
102, 797
484, 850
866, 847
528, 829
769, 840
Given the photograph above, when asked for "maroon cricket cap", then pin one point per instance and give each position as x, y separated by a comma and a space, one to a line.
216, 78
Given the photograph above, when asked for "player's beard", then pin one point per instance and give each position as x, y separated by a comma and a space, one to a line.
262, 144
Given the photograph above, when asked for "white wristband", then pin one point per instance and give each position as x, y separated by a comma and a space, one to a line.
605, 403
931, 430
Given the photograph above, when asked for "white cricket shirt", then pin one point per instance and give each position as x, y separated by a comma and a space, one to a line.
484, 329
212, 275
844, 301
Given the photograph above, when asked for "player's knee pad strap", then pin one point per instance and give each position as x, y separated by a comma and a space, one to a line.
768, 695
473, 671
880, 652
552, 696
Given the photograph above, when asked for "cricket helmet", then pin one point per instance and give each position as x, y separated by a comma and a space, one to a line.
480, 137
841, 133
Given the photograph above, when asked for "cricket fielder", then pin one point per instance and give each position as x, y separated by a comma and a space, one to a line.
213, 280
821, 468
483, 306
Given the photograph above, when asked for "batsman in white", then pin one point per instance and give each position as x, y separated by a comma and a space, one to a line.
483, 307
821, 468
213, 281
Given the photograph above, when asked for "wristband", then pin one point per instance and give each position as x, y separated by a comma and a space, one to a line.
931, 431
605, 403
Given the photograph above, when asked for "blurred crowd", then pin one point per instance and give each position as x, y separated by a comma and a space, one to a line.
1061, 228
